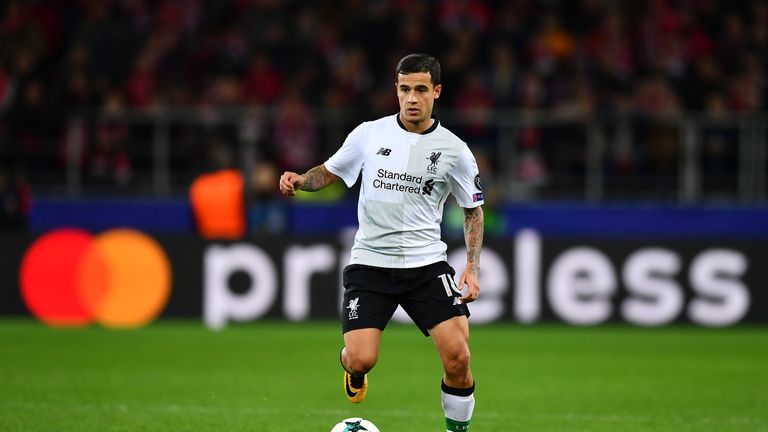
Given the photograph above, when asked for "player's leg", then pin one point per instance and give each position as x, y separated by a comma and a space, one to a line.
366, 312
451, 338
434, 305
361, 350
358, 357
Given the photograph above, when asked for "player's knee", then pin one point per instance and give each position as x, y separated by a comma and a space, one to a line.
360, 363
456, 363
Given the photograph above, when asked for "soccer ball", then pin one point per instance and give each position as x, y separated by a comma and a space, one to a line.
355, 424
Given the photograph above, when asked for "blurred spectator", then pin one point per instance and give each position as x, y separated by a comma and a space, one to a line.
263, 83
474, 104
530, 170
655, 96
15, 201
610, 51
294, 138
719, 151
471, 14
217, 198
350, 77
7, 88
503, 75
266, 212
142, 80
108, 162
549, 47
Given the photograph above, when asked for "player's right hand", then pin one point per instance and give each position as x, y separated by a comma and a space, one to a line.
288, 183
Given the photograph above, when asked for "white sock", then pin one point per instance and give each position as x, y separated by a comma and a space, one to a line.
458, 405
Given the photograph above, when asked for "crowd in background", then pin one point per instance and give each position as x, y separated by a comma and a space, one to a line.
576, 58
658, 55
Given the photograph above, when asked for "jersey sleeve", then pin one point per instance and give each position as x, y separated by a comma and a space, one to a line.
464, 181
347, 162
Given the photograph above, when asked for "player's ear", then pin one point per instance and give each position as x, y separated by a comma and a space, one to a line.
438, 90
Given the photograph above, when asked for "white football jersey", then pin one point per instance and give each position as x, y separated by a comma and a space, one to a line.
406, 178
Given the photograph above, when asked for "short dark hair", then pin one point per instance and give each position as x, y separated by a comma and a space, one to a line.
414, 63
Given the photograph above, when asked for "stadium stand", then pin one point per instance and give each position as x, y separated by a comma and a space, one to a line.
587, 100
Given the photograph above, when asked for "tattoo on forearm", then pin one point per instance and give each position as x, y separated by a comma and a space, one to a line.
314, 179
473, 234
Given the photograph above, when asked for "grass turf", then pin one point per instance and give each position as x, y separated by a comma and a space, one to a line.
269, 376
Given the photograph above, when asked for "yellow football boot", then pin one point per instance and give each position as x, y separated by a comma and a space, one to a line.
355, 395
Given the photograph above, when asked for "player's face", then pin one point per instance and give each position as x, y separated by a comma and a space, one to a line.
417, 98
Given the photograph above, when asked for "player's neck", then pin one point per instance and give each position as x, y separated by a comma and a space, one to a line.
419, 127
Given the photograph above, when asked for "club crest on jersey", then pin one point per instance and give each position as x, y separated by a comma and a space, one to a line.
352, 306
434, 158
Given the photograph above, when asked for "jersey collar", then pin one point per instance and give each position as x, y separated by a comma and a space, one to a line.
431, 129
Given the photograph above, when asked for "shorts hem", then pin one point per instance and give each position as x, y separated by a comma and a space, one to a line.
348, 328
429, 326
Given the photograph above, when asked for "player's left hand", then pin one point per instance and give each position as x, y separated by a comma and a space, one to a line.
469, 277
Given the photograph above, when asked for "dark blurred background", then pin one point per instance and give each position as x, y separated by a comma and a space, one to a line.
586, 101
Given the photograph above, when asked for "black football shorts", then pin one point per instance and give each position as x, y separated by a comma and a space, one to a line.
427, 294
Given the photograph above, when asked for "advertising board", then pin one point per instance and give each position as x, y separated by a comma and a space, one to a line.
526, 278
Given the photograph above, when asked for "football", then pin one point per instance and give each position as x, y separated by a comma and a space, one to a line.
355, 424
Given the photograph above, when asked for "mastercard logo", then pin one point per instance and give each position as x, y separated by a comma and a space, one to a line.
120, 278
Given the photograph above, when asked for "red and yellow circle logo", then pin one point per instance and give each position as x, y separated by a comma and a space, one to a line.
120, 278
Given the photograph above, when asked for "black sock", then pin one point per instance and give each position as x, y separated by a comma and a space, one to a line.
357, 381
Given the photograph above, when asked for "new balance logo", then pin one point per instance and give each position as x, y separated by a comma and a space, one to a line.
384, 151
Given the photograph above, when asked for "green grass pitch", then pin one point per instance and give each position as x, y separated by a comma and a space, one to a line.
271, 376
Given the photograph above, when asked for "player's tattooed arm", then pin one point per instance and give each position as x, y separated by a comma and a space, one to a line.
473, 236
313, 180
317, 178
